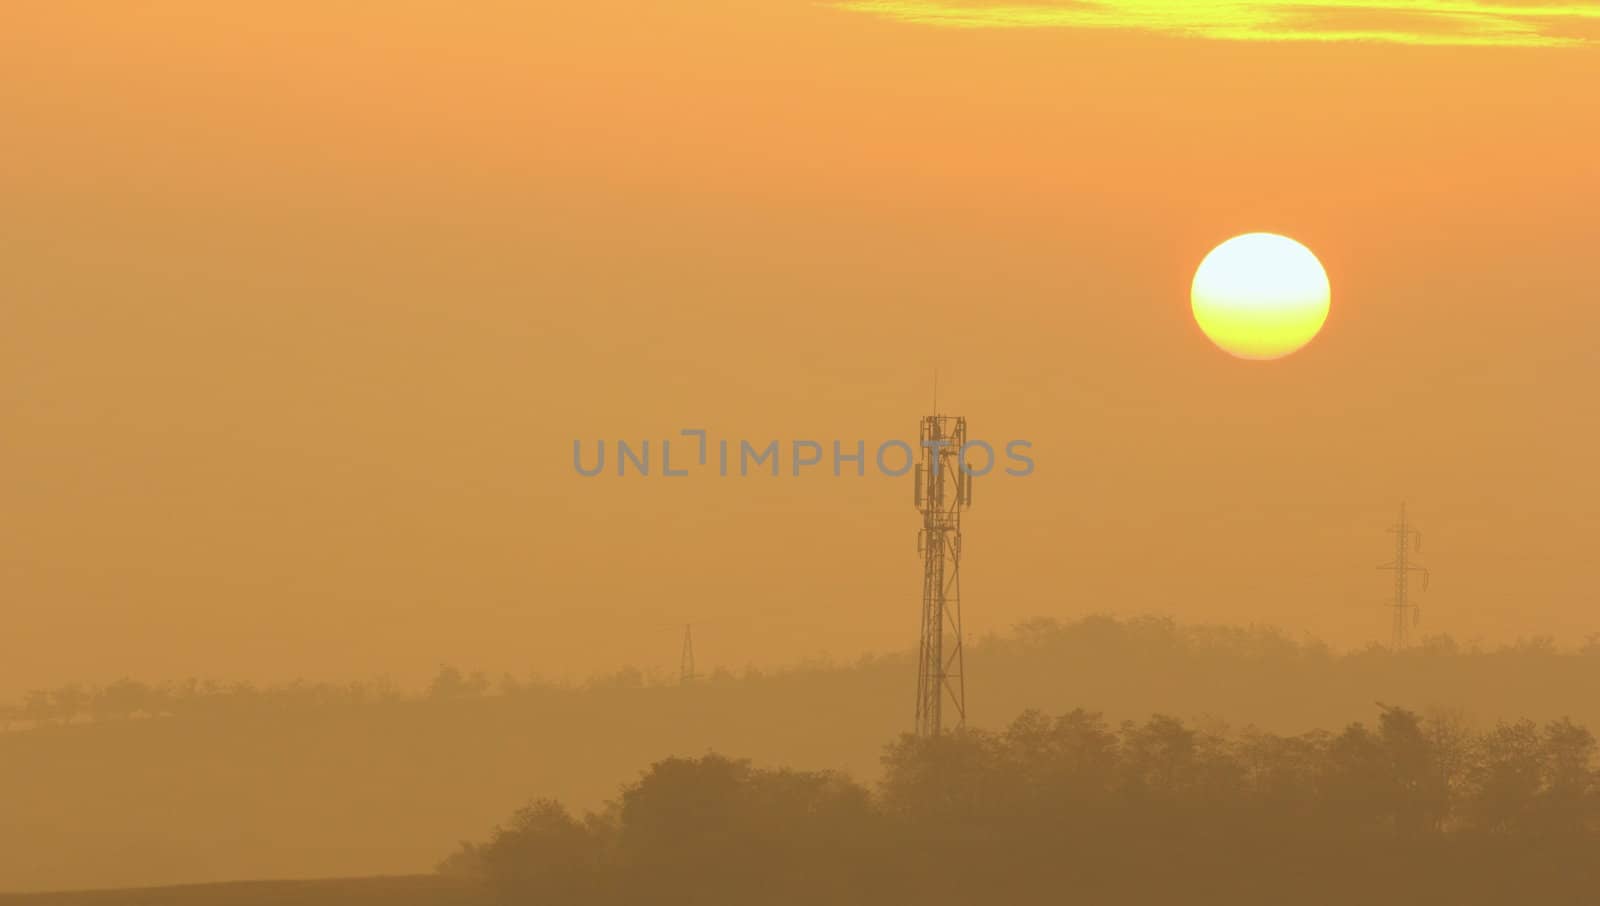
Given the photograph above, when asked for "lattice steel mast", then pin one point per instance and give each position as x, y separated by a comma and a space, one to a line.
1405, 539
686, 672
943, 490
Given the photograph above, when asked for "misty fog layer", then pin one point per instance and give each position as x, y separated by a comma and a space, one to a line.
149, 784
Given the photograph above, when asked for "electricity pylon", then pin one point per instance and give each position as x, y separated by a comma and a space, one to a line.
1405, 539
686, 672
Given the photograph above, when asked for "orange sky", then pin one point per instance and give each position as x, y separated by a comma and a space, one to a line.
301, 310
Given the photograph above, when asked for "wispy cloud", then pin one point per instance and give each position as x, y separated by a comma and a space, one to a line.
1439, 22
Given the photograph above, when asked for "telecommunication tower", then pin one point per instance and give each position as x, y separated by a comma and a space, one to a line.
943, 490
686, 672
1406, 614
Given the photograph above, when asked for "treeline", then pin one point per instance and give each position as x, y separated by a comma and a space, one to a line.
1409, 809
126, 698
1091, 639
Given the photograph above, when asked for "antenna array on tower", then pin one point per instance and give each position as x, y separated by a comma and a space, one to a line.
943, 490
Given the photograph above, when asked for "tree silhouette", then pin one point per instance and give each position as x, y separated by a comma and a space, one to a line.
1065, 805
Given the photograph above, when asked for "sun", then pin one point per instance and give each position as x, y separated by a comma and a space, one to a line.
1260, 296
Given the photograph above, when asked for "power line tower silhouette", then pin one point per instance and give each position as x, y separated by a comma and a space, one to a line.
686, 672
1406, 614
943, 490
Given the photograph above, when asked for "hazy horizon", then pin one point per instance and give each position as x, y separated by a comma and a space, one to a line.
667, 670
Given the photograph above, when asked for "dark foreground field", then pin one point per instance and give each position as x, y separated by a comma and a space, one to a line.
1046, 872
413, 890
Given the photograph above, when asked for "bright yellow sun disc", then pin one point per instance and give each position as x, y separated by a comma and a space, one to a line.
1260, 296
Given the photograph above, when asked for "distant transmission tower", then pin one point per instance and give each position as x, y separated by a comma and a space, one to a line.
1406, 614
686, 672
943, 490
